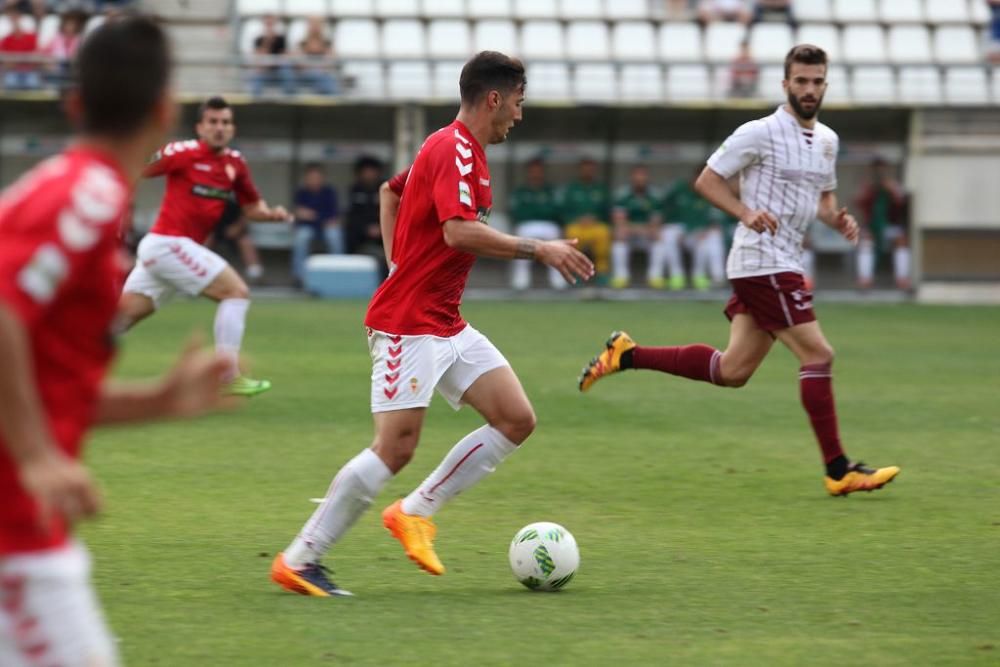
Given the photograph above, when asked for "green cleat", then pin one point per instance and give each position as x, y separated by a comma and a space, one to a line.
244, 386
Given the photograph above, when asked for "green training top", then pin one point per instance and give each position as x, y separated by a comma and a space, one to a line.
527, 203
582, 199
639, 207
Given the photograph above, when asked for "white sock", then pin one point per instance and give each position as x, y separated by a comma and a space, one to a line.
556, 281
717, 256
657, 257
866, 262
619, 260
901, 264
699, 267
230, 322
520, 274
350, 493
670, 238
475, 456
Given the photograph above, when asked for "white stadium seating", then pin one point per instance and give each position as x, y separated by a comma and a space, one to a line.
536, 9
873, 84
574, 10
688, 83
838, 88
368, 79
410, 79
307, 7
595, 82
627, 9
966, 85
813, 10
542, 40
641, 83
855, 11
352, 8
495, 35
901, 11
633, 40
823, 35
722, 41
863, 44
949, 11
548, 81
770, 42
680, 42
403, 38
909, 44
449, 38
397, 8
446, 76
588, 40
956, 45
252, 7
443, 8
487, 9
920, 85
356, 38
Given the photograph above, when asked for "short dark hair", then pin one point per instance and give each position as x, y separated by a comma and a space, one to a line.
121, 71
314, 166
805, 54
490, 70
367, 162
215, 103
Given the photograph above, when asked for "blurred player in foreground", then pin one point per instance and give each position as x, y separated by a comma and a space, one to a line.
787, 167
203, 175
59, 286
419, 341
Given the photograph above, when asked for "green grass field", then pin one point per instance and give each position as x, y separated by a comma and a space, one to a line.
706, 536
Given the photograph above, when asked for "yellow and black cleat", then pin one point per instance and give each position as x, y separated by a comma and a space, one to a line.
608, 361
860, 478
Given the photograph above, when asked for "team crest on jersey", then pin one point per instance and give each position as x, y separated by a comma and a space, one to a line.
231, 172
413, 385
464, 193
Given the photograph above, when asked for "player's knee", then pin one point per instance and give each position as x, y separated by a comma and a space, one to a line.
397, 450
738, 379
238, 291
518, 426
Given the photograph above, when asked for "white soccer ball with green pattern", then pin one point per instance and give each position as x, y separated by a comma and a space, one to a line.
544, 556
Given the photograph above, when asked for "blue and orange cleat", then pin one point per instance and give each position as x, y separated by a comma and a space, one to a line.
608, 361
416, 534
313, 579
860, 478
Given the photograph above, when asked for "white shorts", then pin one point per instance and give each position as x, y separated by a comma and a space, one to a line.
407, 369
166, 265
49, 613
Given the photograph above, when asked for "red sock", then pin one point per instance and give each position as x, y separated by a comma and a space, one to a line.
698, 362
816, 388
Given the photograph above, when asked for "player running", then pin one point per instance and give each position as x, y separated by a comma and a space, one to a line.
203, 174
787, 167
59, 287
419, 341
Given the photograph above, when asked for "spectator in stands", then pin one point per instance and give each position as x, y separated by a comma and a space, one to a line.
36, 8
63, 45
584, 205
362, 231
773, 10
271, 43
993, 50
316, 50
884, 209
638, 220
233, 230
317, 217
19, 42
702, 226
744, 75
534, 210
677, 9
723, 10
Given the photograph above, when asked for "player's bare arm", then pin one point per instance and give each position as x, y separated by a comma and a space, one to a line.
388, 208
192, 387
837, 218
260, 211
713, 187
57, 482
485, 241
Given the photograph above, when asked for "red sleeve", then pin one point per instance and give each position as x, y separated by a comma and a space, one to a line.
398, 182
246, 191
453, 184
175, 155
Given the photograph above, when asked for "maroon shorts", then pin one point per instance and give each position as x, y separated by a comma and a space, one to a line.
775, 301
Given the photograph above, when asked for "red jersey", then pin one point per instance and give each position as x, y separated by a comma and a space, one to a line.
200, 181
60, 275
449, 179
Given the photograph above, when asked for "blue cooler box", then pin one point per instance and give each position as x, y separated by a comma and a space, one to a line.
341, 276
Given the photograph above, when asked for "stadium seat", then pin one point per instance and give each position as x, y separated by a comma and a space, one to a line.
352, 8
356, 38
449, 38
722, 41
446, 76
769, 86
641, 83
919, 85
770, 42
485, 9
548, 81
47, 29
966, 85
823, 35
258, 7
542, 39
249, 31
495, 35
619, 10
403, 38
909, 44
587, 40
27, 24
397, 8
633, 40
688, 82
838, 89
307, 7
949, 11
409, 80
854, 11
901, 11
680, 42
980, 13
296, 31
956, 45
873, 84
368, 79
864, 44
575, 10
443, 8
595, 82
813, 11
536, 9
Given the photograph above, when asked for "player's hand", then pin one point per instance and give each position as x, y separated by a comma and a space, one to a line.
281, 214
60, 485
847, 226
761, 221
194, 385
563, 256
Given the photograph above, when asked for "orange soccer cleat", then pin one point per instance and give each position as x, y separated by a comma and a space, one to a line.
608, 361
860, 478
416, 534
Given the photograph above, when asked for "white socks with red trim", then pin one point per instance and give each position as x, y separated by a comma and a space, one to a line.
475, 456
350, 493
230, 322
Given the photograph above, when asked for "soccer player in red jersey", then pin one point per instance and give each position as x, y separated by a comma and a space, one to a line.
786, 164
419, 341
60, 279
203, 174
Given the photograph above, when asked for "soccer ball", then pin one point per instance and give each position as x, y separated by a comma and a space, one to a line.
543, 556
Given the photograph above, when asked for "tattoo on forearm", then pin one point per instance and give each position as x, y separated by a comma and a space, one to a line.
525, 249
